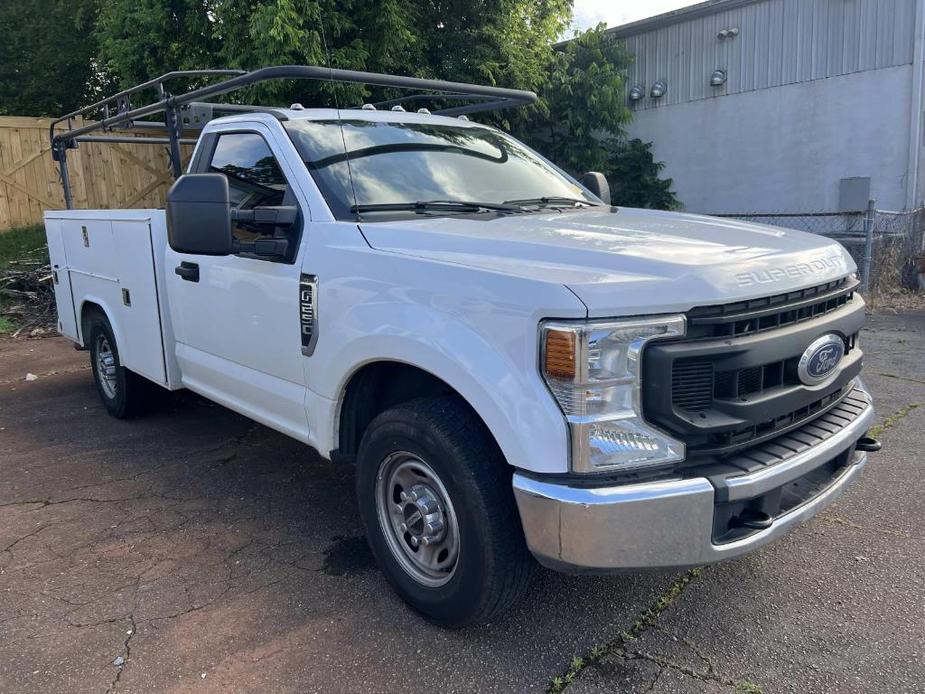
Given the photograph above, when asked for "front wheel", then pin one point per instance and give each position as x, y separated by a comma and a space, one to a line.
436, 500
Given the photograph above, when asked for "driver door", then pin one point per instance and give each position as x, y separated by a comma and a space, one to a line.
235, 317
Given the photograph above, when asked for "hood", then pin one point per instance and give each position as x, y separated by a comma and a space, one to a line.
626, 261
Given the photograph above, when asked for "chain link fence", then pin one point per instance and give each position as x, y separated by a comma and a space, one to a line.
888, 247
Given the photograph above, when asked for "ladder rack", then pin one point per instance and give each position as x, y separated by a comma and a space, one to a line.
119, 109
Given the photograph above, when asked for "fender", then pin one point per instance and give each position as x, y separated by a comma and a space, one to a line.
478, 333
507, 410
110, 316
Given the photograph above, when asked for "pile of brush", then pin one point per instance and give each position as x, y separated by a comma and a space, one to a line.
27, 296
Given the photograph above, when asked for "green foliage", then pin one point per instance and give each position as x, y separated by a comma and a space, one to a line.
634, 175
580, 122
583, 102
47, 56
141, 39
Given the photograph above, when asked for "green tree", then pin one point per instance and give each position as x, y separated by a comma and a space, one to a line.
635, 175
48, 56
141, 39
580, 122
583, 101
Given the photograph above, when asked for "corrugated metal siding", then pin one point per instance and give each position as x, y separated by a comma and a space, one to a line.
779, 42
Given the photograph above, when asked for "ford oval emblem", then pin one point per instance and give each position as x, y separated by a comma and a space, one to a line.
820, 359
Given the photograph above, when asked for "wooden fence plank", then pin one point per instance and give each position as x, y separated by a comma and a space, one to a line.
103, 176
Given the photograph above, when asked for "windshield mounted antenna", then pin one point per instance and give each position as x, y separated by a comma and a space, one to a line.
340, 123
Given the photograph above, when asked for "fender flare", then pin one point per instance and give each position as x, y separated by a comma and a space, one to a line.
506, 412
107, 311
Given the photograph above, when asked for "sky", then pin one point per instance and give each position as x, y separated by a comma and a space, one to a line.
616, 12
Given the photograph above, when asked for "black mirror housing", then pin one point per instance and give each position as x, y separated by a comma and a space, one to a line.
199, 216
281, 216
597, 184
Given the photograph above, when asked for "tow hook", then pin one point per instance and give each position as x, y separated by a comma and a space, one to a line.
868, 444
756, 520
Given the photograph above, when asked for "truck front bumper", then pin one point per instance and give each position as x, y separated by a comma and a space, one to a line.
673, 523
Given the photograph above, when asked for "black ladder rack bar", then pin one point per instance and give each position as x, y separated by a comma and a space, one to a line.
488, 99
129, 139
499, 97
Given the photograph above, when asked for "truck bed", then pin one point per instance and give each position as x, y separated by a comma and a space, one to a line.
114, 259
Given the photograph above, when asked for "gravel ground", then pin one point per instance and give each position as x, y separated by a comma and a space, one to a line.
195, 550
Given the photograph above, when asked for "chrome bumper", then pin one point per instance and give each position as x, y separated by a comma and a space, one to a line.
670, 523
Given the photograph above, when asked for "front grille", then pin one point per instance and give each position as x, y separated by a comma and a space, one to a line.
769, 313
734, 379
695, 384
692, 385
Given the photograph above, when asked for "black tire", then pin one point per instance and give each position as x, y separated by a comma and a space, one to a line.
125, 394
494, 566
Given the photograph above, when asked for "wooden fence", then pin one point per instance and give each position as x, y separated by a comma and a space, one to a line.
103, 175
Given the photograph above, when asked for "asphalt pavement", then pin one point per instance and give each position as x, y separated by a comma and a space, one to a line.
193, 550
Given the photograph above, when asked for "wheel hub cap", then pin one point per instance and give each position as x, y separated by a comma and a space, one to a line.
423, 516
106, 366
417, 518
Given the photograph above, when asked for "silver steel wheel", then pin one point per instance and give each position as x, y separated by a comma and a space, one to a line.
106, 366
417, 518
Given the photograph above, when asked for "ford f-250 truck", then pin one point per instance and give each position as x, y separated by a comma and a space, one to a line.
519, 370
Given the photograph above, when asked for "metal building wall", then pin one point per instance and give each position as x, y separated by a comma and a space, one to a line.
779, 42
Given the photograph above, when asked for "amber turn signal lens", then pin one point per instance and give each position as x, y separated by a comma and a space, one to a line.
560, 354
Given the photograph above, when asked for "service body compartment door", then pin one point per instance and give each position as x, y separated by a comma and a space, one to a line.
110, 262
139, 305
64, 299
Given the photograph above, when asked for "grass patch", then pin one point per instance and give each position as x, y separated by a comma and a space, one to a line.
19, 241
15, 244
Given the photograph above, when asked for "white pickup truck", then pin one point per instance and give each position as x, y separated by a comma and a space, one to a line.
517, 369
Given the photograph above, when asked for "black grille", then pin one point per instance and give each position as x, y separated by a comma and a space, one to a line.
758, 315
734, 379
692, 385
695, 384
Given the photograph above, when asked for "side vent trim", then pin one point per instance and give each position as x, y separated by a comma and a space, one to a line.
308, 312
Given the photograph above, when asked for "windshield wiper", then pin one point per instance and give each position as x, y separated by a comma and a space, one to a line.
435, 205
551, 201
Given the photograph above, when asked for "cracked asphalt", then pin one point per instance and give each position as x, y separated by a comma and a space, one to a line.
193, 550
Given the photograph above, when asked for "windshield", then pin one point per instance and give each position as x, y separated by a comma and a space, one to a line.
399, 166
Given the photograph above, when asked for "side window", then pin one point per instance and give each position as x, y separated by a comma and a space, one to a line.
254, 180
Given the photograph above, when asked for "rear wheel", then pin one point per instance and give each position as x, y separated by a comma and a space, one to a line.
436, 500
124, 394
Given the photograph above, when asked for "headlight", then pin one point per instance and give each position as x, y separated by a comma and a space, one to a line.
592, 370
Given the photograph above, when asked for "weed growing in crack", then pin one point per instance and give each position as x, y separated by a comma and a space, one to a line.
646, 620
894, 419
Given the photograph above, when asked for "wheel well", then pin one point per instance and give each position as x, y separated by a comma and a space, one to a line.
88, 309
374, 389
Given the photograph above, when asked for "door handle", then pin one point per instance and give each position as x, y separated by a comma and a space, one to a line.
188, 271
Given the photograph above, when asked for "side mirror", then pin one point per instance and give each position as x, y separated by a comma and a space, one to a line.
198, 215
597, 184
